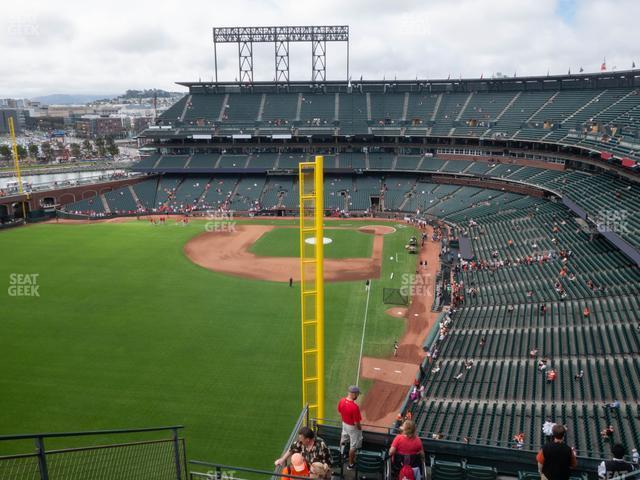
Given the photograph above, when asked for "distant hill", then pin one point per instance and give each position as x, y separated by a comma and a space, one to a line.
70, 99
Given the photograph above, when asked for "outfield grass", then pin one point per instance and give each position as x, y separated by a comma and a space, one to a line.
127, 332
285, 242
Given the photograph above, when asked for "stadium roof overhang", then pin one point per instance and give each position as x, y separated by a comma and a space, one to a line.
626, 78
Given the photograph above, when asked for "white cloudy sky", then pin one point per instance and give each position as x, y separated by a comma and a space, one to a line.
106, 47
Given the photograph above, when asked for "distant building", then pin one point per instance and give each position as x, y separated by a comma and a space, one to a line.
19, 119
90, 126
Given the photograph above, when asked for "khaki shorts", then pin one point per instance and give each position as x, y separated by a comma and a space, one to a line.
351, 433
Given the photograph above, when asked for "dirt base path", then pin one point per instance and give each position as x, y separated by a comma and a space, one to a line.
228, 252
395, 375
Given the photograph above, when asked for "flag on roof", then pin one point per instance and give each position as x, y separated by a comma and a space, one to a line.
603, 67
581, 69
633, 65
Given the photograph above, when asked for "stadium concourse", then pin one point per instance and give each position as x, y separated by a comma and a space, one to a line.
536, 176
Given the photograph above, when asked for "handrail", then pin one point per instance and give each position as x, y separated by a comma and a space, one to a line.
495, 444
219, 467
87, 433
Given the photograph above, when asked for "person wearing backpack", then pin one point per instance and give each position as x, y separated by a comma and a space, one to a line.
407, 451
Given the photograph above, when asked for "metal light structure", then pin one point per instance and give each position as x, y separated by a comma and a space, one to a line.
312, 284
281, 37
16, 163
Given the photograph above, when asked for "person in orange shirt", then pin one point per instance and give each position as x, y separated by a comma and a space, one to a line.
298, 466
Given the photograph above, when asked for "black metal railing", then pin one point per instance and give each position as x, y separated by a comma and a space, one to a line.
154, 458
218, 471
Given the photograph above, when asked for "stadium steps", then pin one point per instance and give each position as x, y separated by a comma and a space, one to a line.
464, 107
419, 166
105, 204
155, 165
366, 158
542, 107
217, 162
135, 197
263, 100
616, 103
186, 165
223, 107
590, 102
298, 107
368, 106
405, 107
508, 106
184, 110
395, 162
435, 109
336, 107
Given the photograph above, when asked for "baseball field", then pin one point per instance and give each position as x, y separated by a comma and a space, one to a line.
132, 324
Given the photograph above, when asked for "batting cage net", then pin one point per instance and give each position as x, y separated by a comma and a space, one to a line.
394, 296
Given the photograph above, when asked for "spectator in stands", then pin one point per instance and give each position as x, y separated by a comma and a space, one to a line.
615, 467
615, 405
579, 375
407, 444
542, 365
312, 448
298, 466
533, 353
556, 459
607, 433
547, 430
551, 376
351, 428
519, 439
635, 457
320, 470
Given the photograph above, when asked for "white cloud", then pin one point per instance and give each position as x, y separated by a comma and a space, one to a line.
111, 46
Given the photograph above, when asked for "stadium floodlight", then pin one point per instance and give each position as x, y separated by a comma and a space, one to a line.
245, 37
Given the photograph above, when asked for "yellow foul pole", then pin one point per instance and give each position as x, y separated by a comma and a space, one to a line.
16, 163
311, 183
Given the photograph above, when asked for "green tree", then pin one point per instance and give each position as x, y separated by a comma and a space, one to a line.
75, 150
87, 148
5, 151
47, 151
22, 152
100, 146
112, 148
33, 150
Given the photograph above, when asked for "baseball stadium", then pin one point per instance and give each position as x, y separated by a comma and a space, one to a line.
459, 254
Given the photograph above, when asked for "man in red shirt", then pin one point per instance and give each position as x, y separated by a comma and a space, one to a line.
351, 428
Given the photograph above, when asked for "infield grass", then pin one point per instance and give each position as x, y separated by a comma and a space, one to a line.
127, 332
285, 242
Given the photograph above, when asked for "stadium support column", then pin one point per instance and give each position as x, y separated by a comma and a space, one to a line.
282, 61
312, 285
318, 60
245, 59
